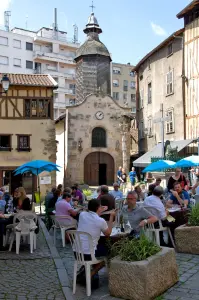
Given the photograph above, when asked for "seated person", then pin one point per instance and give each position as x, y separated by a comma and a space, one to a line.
2, 203
136, 215
116, 193
77, 195
21, 201
178, 196
140, 194
63, 208
154, 201
106, 200
91, 222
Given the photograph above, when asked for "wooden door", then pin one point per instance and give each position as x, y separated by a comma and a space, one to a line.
91, 168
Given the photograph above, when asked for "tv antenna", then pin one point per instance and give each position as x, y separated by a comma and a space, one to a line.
75, 36
7, 15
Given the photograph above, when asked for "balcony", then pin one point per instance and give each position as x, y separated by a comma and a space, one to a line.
52, 36
65, 91
53, 57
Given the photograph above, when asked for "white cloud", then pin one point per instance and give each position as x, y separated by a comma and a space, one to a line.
158, 30
5, 4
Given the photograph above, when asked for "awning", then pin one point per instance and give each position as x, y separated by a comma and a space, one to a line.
145, 159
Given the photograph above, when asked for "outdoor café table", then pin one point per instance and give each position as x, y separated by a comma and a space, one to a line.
180, 215
115, 236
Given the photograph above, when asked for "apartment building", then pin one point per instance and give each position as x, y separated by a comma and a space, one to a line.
47, 51
160, 100
190, 14
124, 85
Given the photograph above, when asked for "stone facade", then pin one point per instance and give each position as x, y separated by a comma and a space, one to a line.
80, 121
159, 81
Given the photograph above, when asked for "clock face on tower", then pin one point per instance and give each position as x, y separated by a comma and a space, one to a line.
99, 115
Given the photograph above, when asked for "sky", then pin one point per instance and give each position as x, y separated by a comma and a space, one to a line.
131, 28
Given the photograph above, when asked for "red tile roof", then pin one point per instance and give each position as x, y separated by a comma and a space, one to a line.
31, 80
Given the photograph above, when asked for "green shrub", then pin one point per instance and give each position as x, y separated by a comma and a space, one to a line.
193, 219
87, 193
134, 249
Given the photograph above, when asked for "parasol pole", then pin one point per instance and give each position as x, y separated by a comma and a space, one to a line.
38, 184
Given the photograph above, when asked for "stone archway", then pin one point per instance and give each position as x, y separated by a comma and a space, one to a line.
99, 169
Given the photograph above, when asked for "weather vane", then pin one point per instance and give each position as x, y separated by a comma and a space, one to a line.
92, 6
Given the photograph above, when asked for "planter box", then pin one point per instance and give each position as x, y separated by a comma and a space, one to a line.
187, 239
145, 279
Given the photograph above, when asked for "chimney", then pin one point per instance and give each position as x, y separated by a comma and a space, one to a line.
55, 22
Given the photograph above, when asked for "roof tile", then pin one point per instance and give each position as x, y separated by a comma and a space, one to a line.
31, 80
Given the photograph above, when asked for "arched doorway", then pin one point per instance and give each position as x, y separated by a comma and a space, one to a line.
99, 169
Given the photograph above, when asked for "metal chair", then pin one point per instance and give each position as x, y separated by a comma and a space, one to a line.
63, 223
76, 238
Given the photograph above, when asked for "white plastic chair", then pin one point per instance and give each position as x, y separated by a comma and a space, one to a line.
193, 202
76, 243
25, 228
59, 222
150, 228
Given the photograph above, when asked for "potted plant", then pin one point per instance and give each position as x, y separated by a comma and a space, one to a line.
187, 236
144, 269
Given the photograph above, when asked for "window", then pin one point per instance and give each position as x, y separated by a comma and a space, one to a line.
125, 85
116, 96
116, 70
133, 97
71, 101
149, 93
141, 77
141, 129
17, 62
4, 60
149, 128
3, 41
170, 49
133, 110
141, 98
132, 84
169, 82
115, 82
5, 142
23, 143
170, 122
29, 46
72, 87
17, 44
29, 64
38, 108
124, 96
132, 74
99, 137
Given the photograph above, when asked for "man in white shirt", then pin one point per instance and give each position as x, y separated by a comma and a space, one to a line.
91, 222
154, 201
116, 193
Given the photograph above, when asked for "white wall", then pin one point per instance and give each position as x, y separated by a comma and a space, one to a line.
12, 52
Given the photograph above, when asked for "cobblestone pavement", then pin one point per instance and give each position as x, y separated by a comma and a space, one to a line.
187, 287
29, 276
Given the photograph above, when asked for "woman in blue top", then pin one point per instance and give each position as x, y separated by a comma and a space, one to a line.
132, 177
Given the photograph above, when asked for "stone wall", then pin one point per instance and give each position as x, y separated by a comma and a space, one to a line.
81, 121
